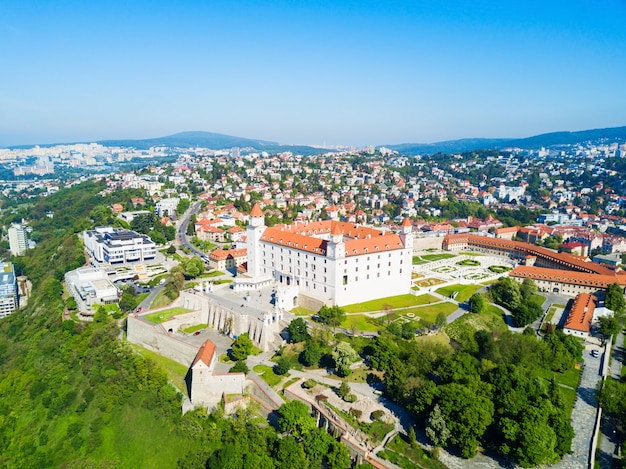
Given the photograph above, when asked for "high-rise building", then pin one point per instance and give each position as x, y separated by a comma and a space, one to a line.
9, 297
18, 240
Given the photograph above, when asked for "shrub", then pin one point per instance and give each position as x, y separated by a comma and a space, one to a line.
240, 367
350, 398
282, 366
356, 412
377, 414
309, 384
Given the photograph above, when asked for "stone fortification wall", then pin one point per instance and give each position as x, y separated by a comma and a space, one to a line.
207, 391
427, 242
231, 322
154, 337
183, 321
310, 303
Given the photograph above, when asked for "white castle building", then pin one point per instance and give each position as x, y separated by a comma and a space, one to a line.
329, 261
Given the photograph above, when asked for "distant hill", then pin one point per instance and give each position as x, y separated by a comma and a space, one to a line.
212, 141
544, 140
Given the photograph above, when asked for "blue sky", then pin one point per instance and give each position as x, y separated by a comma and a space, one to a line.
310, 72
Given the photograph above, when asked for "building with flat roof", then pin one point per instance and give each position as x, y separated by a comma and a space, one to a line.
91, 287
117, 246
9, 295
331, 262
18, 239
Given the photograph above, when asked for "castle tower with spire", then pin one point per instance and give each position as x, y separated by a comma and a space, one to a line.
255, 230
336, 248
406, 233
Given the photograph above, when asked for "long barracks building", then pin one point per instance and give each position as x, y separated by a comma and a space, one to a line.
552, 272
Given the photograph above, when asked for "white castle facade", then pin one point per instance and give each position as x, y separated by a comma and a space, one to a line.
334, 262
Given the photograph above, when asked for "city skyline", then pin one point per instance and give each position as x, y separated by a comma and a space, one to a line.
333, 73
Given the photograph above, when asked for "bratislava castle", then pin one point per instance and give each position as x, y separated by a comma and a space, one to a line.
335, 262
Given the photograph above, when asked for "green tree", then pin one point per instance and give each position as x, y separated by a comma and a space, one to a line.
609, 326
311, 354
338, 456
128, 301
294, 418
467, 416
436, 428
241, 347
298, 330
182, 206
344, 355
289, 454
282, 366
343, 390
332, 316
614, 298
240, 367
476, 303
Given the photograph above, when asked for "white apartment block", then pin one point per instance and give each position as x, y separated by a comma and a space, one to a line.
116, 245
18, 240
167, 207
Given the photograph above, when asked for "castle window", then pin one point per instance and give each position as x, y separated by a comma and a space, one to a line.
345, 279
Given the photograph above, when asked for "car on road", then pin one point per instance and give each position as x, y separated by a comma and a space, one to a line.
139, 309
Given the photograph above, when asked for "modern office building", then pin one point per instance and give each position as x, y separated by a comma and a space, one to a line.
18, 240
9, 296
116, 245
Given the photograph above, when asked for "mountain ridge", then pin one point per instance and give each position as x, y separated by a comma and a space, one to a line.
218, 141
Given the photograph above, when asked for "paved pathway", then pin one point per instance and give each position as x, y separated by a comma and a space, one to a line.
608, 445
584, 414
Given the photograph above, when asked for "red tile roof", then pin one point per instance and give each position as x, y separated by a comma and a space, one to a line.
358, 239
205, 354
256, 211
581, 314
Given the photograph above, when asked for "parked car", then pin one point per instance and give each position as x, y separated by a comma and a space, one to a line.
595, 353
197, 333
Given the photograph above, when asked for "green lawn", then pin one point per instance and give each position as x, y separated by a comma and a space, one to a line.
141, 297
164, 315
302, 311
489, 320
192, 329
175, 371
539, 299
268, 375
429, 312
161, 300
419, 261
391, 302
221, 281
437, 257
464, 291
361, 322
399, 451
471, 253
215, 273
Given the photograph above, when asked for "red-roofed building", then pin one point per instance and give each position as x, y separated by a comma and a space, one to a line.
208, 387
333, 262
580, 316
220, 259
